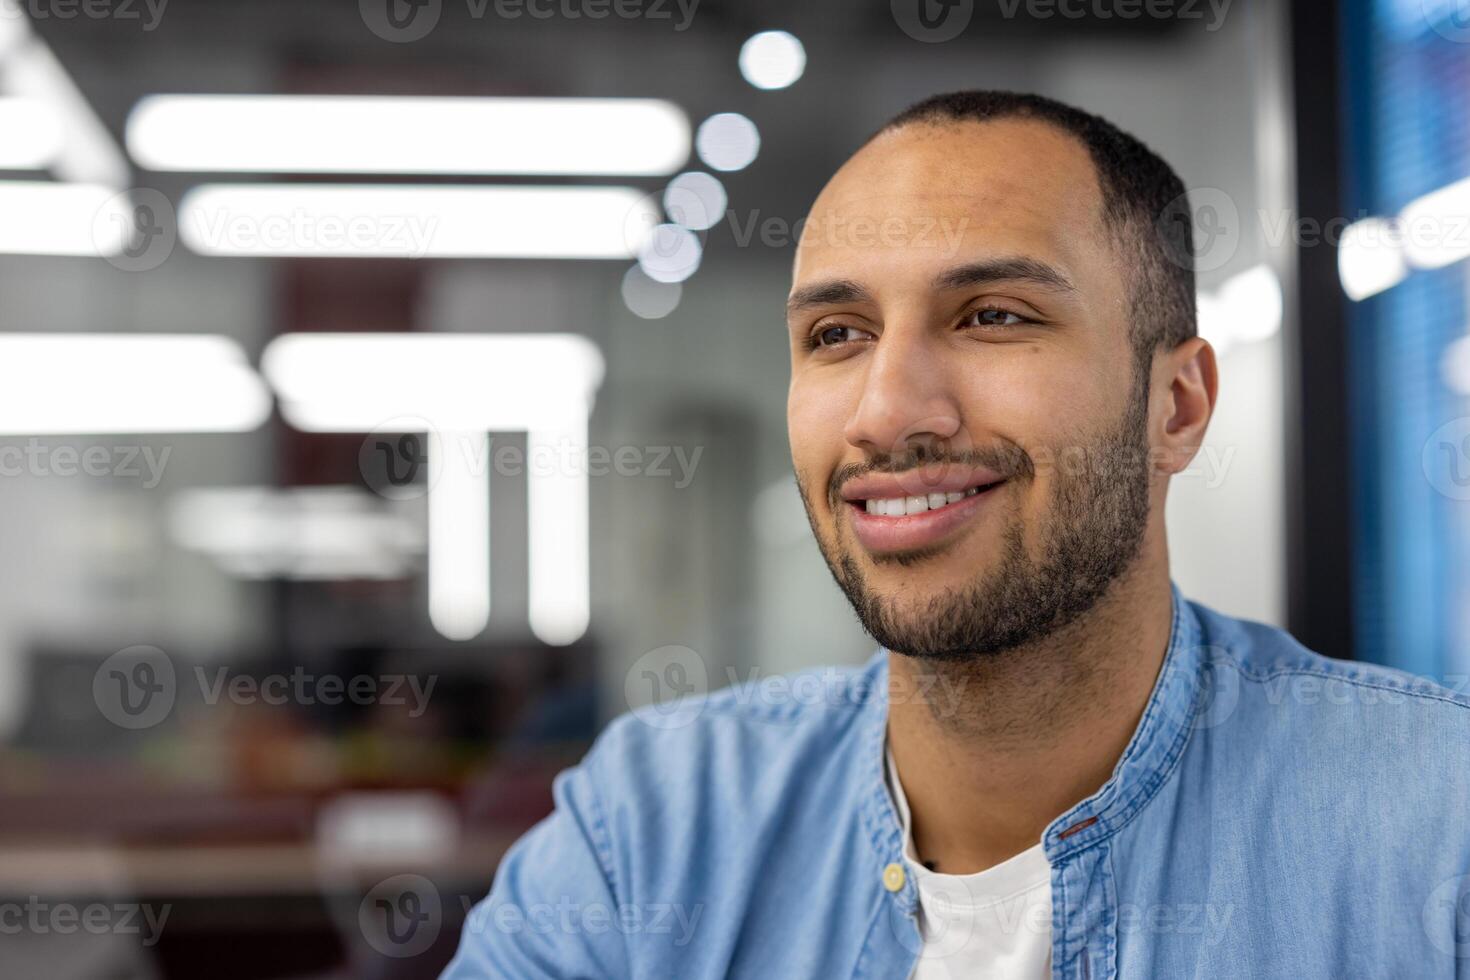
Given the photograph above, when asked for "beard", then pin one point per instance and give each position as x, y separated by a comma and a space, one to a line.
1092, 534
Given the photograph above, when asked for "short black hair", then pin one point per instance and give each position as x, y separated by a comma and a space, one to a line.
1144, 203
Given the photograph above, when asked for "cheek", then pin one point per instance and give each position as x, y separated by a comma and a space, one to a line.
814, 425
1038, 398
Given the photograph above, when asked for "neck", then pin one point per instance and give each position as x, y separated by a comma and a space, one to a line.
991, 751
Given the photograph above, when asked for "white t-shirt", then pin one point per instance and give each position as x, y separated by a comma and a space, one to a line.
993, 925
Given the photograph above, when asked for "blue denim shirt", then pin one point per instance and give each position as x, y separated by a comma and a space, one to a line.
1276, 814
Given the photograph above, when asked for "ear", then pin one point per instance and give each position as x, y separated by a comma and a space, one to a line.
1185, 384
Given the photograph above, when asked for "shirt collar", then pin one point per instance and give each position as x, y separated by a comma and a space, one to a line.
1151, 755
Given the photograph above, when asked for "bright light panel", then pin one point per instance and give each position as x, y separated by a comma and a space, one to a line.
135, 383
351, 220
1435, 232
542, 384
32, 134
409, 135
87, 153
557, 504
356, 382
1370, 257
459, 534
43, 218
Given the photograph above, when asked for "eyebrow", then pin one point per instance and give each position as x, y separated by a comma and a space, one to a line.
826, 293
1004, 270
1015, 269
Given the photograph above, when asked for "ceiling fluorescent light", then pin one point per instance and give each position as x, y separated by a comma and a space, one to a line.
44, 218
408, 135
87, 152
457, 388
60, 384
401, 221
32, 134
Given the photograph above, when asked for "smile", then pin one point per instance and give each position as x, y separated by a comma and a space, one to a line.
888, 520
900, 506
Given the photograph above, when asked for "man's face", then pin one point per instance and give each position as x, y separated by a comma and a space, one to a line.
967, 423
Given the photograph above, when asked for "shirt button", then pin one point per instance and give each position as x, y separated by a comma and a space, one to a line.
893, 877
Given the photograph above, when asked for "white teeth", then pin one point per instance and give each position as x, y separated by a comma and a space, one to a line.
900, 506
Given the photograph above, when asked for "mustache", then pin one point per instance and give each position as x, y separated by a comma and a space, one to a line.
1007, 459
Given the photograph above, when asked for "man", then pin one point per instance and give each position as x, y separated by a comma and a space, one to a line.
1056, 766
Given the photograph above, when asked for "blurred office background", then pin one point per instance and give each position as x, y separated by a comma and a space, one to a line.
282, 671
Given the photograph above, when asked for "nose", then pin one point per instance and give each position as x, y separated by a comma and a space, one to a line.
908, 398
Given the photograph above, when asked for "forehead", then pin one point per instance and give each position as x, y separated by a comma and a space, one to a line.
925, 196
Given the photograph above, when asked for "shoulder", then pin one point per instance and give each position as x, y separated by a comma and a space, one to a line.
1366, 731
780, 720
766, 768
1273, 666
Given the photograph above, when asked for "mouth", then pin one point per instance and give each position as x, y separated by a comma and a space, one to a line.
893, 524
918, 504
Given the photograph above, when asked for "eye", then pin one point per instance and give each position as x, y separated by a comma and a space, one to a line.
834, 334
993, 316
